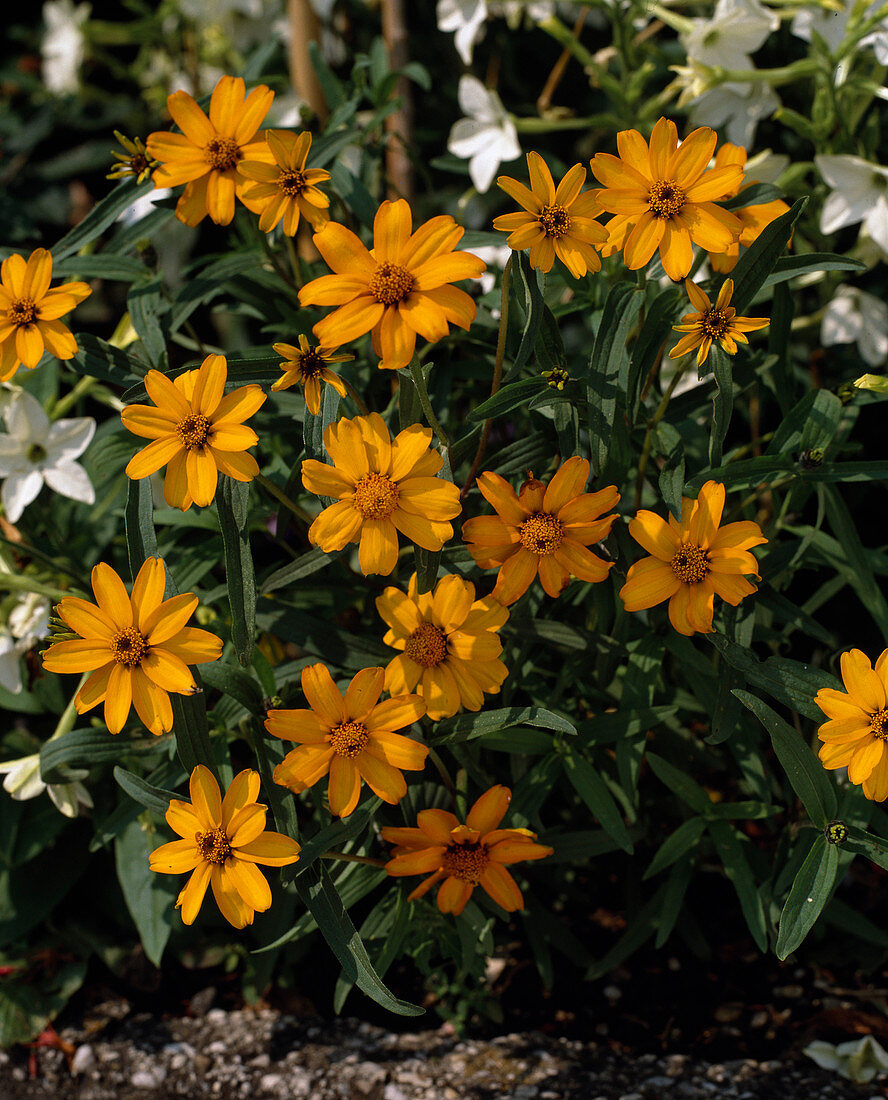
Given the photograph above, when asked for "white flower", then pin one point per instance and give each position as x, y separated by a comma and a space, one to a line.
766, 167
855, 317
858, 1060
36, 451
832, 26
63, 47
494, 256
860, 195
29, 619
10, 665
466, 18
487, 136
23, 782
734, 110
737, 28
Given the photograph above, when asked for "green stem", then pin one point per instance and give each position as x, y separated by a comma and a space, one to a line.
82, 387
28, 584
652, 424
69, 714
497, 370
269, 486
294, 260
349, 858
679, 23
359, 401
444, 773
423, 395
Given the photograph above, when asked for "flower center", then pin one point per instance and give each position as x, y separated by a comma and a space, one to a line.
666, 198
129, 647
541, 534
466, 861
427, 645
690, 564
879, 724
193, 431
36, 453
223, 153
715, 323
556, 377
311, 364
376, 496
348, 738
23, 311
292, 182
555, 220
213, 846
391, 283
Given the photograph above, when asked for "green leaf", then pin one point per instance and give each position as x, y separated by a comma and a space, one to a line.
82, 748
314, 426
680, 783
677, 844
593, 790
624, 724
526, 287
788, 267
426, 563
549, 345
102, 215
810, 892
99, 359
32, 997
141, 540
608, 376
148, 895
125, 269
304, 566
322, 900
804, 771
655, 331
641, 927
860, 575
722, 401
153, 798
234, 682
466, 727
514, 395
146, 303
760, 259
233, 506
673, 899
730, 850
672, 480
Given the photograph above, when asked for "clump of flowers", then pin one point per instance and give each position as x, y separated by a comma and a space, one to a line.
856, 734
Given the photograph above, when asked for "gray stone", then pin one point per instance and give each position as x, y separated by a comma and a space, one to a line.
151, 1078
84, 1059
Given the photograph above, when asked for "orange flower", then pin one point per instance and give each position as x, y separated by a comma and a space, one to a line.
448, 641
857, 731
351, 738
753, 219
382, 487
207, 155
556, 222
397, 291
464, 856
541, 530
692, 561
718, 323
30, 311
198, 432
663, 196
308, 366
286, 188
222, 840
137, 647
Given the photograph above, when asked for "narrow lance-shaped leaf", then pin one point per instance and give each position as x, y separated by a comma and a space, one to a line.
810, 892
233, 506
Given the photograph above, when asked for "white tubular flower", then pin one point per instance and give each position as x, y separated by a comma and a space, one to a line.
466, 19
735, 110
29, 619
855, 317
487, 136
10, 665
832, 26
37, 452
23, 782
860, 194
63, 47
737, 28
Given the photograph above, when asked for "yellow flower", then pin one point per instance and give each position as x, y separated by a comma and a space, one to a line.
286, 188
448, 641
556, 222
398, 291
222, 841
381, 487
857, 731
137, 647
718, 323
541, 530
30, 311
198, 432
663, 197
207, 154
134, 162
351, 738
464, 856
753, 219
692, 561
308, 366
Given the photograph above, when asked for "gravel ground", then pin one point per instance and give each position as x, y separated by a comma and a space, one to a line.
259, 1053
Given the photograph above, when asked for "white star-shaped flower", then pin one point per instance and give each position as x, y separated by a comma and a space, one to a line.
735, 110
832, 26
466, 19
855, 317
487, 136
737, 28
860, 194
23, 782
36, 452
